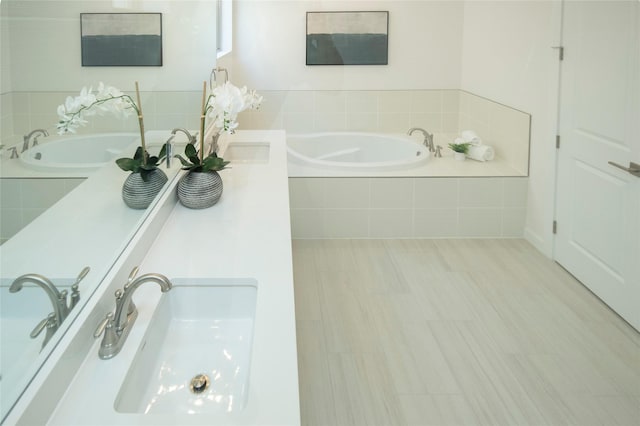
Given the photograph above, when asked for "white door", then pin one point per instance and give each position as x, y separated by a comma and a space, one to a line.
598, 204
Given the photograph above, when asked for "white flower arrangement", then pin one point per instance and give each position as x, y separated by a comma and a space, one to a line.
223, 105
104, 100
108, 100
226, 101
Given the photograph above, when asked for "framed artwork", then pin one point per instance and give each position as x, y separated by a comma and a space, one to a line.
347, 38
121, 39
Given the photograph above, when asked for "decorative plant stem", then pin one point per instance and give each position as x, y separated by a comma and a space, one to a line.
145, 154
202, 119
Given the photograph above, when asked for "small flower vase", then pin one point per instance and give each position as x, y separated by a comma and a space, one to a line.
460, 156
137, 193
200, 190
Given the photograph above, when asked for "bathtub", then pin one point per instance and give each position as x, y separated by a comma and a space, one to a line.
78, 152
356, 151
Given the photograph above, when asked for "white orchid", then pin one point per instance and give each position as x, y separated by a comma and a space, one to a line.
225, 103
104, 100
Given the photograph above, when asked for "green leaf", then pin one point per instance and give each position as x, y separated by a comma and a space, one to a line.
128, 164
144, 174
138, 154
190, 150
163, 151
183, 161
153, 161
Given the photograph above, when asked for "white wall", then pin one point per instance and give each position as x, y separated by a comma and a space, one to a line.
45, 50
507, 56
269, 47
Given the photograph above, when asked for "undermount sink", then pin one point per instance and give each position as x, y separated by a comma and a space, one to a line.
247, 152
196, 353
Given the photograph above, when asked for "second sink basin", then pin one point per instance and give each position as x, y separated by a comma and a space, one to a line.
196, 353
247, 152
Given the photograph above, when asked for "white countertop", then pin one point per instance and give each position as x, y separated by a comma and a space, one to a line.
245, 235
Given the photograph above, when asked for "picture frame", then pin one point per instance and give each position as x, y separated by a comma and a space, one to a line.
347, 38
121, 39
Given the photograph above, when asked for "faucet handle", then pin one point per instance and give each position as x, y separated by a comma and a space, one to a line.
49, 321
103, 325
14, 152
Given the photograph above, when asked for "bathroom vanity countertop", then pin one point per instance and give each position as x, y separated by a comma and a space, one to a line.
245, 235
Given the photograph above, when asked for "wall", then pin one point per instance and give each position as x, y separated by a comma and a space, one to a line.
49, 30
269, 47
520, 70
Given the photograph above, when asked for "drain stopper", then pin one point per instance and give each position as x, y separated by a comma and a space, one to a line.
199, 383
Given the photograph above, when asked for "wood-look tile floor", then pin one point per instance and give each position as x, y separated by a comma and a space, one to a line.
456, 332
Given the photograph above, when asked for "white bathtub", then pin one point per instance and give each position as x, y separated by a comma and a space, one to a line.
78, 152
356, 151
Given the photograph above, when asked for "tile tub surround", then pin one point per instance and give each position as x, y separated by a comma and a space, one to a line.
442, 112
408, 207
22, 200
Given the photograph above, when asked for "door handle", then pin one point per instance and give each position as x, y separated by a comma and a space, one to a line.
634, 168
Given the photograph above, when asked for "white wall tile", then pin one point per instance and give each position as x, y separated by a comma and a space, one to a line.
306, 193
10, 222
346, 223
298, 102
330, 101
390, 223
435, 223
481, 192
42, 193
346, 193
362, 122
426, 101
451, 123
480, 223
307, 223
451, 101
515, 192
395, 101
436, 193
394, 122
362, 101
393, 193
10, 193
298, 122
431, 122
330, 122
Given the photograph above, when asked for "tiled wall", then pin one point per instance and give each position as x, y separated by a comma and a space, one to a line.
23, 112
443, 112
408, 207
22, 200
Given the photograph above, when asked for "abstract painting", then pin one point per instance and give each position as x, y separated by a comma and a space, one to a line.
121, 39
347, 38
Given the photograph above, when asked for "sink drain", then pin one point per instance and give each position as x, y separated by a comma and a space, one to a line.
199, 383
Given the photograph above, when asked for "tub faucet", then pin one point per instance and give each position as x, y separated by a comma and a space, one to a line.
116, 327
27, 138
191, 139
428, 137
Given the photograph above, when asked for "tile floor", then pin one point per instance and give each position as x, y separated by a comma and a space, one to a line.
456, 332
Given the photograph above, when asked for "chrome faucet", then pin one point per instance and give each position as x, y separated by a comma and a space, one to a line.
58, 299
27, 138
116, 327
191, 139
428, 137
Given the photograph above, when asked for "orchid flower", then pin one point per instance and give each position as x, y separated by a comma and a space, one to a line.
104, 100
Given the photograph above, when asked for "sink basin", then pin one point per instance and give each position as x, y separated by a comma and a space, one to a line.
247, 152
200, 327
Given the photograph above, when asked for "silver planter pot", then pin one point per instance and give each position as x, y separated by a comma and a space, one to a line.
138, 194
200, 190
